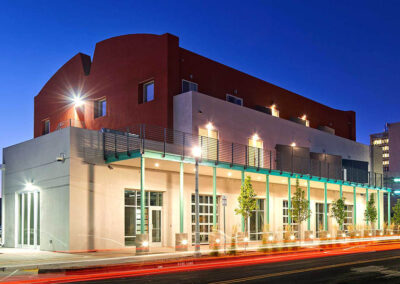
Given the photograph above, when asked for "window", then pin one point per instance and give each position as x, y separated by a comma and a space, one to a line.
148, 92
46, 126
234, 100
100, 108
320, 218
255, 152
294, 226
274, 111
208, 141
348, 221
385, 155
205, 217
133, 213
256, 221
188, 86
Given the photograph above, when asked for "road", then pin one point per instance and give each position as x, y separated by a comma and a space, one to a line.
377, 267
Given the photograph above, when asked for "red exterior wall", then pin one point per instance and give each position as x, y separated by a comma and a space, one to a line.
122, 63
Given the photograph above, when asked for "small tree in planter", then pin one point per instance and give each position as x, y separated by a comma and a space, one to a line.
247, 202
370, 213
338, 211
299, 211
396, 213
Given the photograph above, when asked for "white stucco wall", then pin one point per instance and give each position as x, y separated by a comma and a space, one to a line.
237, 124
35, 160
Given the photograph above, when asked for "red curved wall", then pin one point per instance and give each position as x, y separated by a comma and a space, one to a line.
122, 63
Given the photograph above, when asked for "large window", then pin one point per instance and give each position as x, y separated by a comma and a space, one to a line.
294, 227
206, 220
148, 92
100, 108
133, 213
320, 218
348, 221
256, 221
188, 86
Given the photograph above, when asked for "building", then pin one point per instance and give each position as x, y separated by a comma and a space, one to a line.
123, 125
388, 142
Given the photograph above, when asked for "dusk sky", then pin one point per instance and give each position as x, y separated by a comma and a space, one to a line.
344, 54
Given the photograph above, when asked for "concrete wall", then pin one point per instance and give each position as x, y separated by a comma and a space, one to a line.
35, 160
238, 124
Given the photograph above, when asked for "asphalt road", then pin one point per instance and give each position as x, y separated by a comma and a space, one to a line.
371, 267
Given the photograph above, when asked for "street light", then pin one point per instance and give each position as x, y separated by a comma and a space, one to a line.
196, 151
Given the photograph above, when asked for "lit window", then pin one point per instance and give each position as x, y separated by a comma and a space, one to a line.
255, 151
274, 111
378, 142
385, 155
385, 148
206, 221
100, 108
304, 118
188, 86
234, 100
46, 126
148, 92
385, 162
208, 141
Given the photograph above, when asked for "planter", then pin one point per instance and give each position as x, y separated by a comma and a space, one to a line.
340, 234
368, 233
355, 234
309, 236
142, 244
379, 233
181, 242
323, 235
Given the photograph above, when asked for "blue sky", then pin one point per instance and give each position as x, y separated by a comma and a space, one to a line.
341, 53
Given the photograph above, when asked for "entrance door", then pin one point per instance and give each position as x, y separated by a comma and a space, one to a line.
155, 224
29, 219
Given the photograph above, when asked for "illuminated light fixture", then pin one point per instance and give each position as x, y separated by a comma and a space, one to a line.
397, 179
292, 237
196, 151
29, 186
209, 126
328, 235
259, 178
270, 238
357, 234
246, 239
304, 117
256, 137
293, 144
343, 235
217, 241
391, 233
229, 174
157, 165
274, 111
145, 244
381, 234
369, 234
77, 100
184, 242
311, 236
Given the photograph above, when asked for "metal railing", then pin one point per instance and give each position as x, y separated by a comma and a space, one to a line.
70, 123
124, 142
168, 141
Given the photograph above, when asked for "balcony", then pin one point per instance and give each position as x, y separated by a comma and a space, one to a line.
134, 141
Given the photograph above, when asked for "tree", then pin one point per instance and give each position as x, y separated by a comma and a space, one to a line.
299, 211
370, 212
396, 213
338, 211
247, 201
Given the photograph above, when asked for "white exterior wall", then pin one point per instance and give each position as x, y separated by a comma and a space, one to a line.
238, 124
82, 199
35, 160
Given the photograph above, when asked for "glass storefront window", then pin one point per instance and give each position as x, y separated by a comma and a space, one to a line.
206, 219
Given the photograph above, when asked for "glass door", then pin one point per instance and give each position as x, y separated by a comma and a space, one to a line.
29, 219
155, 223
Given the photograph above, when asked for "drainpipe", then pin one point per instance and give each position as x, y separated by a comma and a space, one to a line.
3, 175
